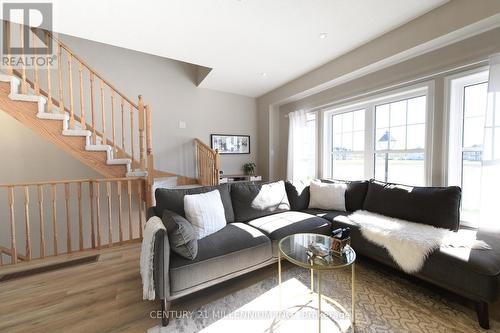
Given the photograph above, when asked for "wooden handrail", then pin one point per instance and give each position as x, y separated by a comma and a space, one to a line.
91, 69
94, 230
83, 180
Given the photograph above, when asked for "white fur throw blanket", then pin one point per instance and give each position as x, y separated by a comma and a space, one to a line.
153, 225
410, 243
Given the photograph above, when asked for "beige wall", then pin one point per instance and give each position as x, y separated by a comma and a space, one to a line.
169, 87
445, 24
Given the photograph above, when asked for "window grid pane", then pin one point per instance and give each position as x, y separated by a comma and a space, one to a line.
400, 126
348, 140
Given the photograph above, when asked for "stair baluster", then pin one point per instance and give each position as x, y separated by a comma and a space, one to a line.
24, 86
27, 222
41, 217
49, 83
54, 219
13, 248
92, 110
132, 132
71, 105
82, 103
110, 219
68, 218
113, 129
123, 124
103, 114
60, 72
36, 86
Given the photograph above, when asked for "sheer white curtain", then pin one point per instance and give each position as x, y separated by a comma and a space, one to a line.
298, 163
490, 171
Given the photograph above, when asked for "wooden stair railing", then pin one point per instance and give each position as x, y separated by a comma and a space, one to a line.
207, 164
97, 106
55, 217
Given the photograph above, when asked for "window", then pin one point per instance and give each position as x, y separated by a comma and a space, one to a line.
309, 160
400, 141
383, 138
348, 145
468, 100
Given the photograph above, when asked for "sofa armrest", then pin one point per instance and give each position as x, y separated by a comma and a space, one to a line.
161, 262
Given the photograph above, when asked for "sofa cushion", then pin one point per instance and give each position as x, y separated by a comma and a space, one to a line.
355, 193
283, 224
251, 201
471, 273
173, 199
436, 206
236, 247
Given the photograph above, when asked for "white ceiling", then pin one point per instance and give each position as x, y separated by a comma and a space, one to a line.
239, 39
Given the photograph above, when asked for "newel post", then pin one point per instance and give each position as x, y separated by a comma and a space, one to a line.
141, 133
149, 152
216, 167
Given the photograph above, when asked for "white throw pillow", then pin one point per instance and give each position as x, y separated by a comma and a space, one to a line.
205, 211
272, 197
329, 196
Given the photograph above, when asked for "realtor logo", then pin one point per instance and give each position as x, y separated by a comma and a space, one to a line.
25, 34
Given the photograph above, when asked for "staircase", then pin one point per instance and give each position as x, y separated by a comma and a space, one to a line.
56, 125
86, 115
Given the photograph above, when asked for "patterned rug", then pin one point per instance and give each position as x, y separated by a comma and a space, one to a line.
385, 302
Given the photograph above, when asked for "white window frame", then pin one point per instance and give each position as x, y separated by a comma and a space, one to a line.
454, 122
369, 104
453, 133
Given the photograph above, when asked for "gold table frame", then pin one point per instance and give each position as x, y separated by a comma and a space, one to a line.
319, 270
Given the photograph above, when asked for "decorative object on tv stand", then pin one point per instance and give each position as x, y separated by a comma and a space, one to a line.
230, 144
249, 168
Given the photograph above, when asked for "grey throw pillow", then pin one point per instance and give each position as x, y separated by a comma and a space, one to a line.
181, 235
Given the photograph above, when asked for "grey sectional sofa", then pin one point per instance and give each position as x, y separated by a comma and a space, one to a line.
249, 240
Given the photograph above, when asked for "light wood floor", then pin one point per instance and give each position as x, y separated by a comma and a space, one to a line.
105, 296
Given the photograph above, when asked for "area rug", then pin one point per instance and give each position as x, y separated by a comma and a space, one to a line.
385, 302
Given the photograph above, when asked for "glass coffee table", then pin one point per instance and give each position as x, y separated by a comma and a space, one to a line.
294, 248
